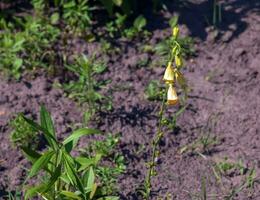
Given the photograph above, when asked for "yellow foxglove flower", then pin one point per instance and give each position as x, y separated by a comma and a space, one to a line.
175, 32
169, 74
172, 98
178, 61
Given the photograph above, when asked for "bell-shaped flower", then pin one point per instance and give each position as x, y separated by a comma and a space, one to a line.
169, 74
172, 98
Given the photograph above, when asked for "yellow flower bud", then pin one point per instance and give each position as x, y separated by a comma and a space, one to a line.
178, 61
172, 98
175, 32
169, 74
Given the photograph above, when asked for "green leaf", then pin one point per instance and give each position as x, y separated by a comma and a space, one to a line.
17, 63
90, 178
70, 195
86, 162
118, 2
46, 121
40, 163
173, 21
93, 191
74, 137
139, 23
55, 18
54, 177
30, 154
72, 175
49, 137
109, 198
31, 192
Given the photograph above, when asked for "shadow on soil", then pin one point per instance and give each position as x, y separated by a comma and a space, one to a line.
198, 16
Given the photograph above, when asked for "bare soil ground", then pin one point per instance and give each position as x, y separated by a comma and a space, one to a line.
224, 102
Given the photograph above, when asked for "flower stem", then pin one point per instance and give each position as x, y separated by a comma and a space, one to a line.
158, 136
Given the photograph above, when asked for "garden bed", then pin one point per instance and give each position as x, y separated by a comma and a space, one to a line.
223, 108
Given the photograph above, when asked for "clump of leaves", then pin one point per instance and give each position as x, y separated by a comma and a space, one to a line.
154, 91
137, 29
65, 176
84, 88
112, 162
26, 45
76, 14
23, 134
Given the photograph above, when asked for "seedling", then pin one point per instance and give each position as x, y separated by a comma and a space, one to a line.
84, 89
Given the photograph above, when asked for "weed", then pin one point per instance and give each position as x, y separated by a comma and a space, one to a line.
137, 29
76, 15
64, 176
154, 91
23, 134
84, 89
113, 162
27, 46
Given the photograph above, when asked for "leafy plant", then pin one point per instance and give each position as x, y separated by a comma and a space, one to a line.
84, 89
111, 164
65, 176
137, 28
76, 14
154, 91
23, 134
27, 45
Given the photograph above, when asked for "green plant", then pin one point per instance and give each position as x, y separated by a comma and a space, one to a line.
84, 89
172, 76
111, 164
137, 29
64, 176
26, 44
217, 13
154, 91
23, 134
76, 14
116, 25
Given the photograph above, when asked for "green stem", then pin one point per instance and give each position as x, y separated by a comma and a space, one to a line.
156, 140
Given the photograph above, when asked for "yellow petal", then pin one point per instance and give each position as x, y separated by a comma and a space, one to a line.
169, 74
172, 98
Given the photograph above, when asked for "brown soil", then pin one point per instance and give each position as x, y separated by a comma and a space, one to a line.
224, 102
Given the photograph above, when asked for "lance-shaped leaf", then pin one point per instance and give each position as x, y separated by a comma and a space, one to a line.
49, 137
40, 163
71, 141
47, 123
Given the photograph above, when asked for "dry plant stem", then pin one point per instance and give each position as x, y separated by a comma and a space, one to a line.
156, 140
